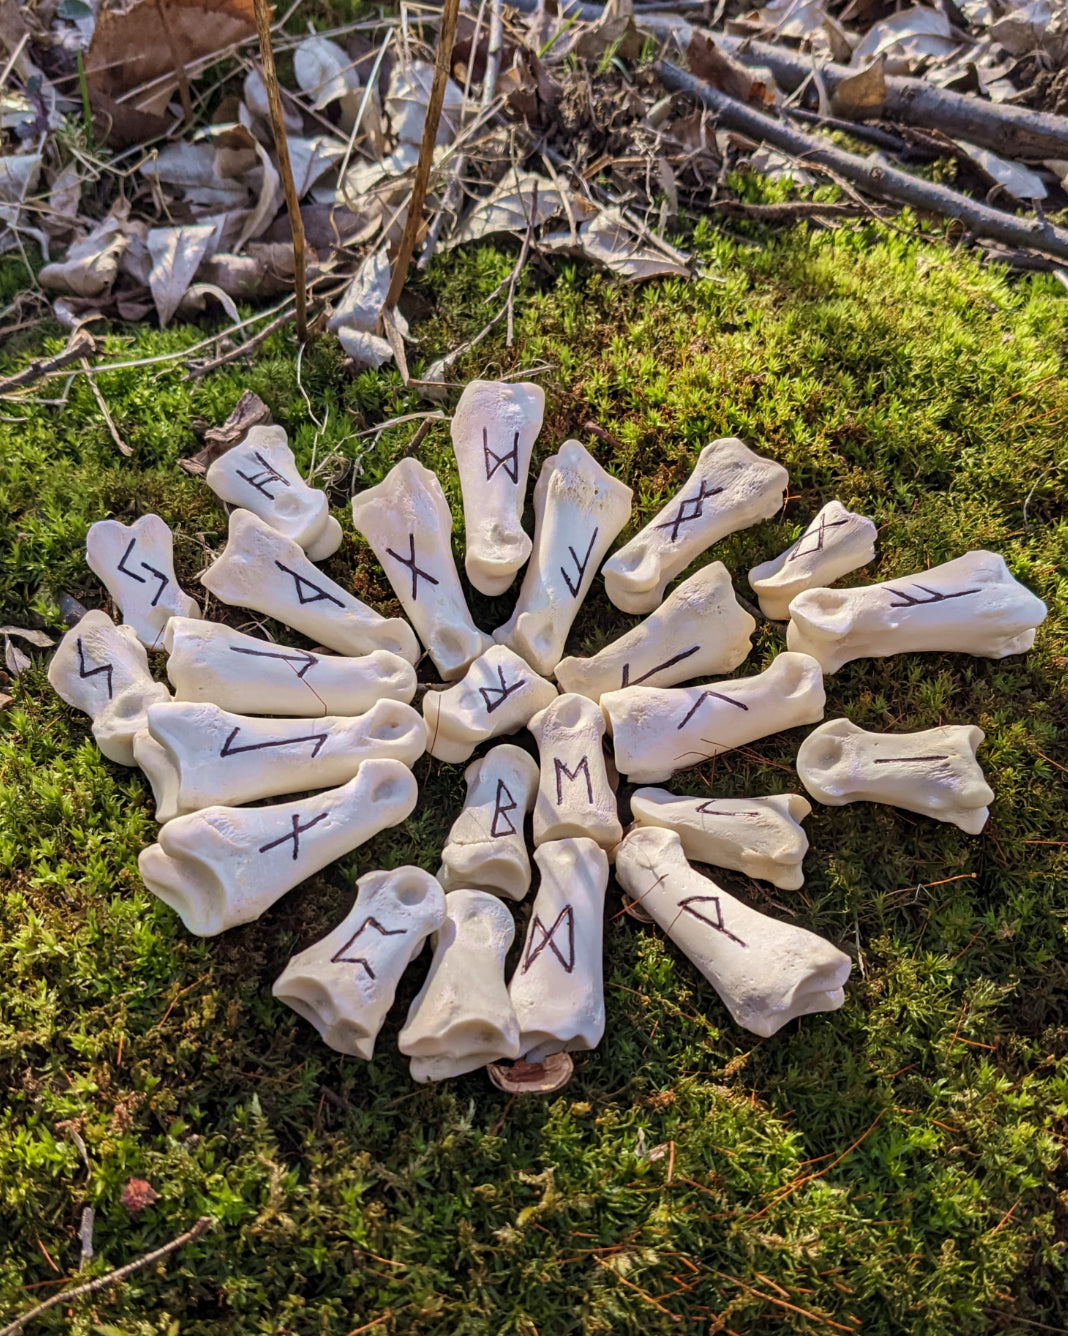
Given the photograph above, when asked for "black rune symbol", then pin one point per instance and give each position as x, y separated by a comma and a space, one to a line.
300, 583
302, 657
696, 506
229, 750
701, 700
706, 809
341, 957
717, 922
501, 693
894, 760
669, 663
92, 672
580, 566
416, 571
583, 768
509, 462
501, 810
911, 601
260, 480
798, 551
294, 834
548, 939
164, 580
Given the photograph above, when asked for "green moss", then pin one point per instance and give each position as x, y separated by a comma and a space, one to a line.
897, 1167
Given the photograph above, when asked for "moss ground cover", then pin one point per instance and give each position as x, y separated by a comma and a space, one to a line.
898, 1167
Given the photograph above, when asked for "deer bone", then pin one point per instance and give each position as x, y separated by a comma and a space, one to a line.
499, 693
136, 564
486, 849
835, 543
574, 795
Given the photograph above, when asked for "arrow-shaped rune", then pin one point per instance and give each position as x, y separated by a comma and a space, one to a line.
300, 656
318, 738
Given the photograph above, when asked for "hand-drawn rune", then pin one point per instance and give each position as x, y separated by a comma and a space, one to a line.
340, 956
798, 551
703, 697
548, 939
580, 566
911, 601
893, 760
416, 571
318, 738
583, 768
300, 582
717, 922
706, 809
260, 480
670, 663
509, 462
502, 692
108, 668
300, 656
501, 810
164, 580
685, 516
294, 835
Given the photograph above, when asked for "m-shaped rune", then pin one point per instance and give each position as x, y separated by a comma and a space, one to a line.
548, 939
509, 462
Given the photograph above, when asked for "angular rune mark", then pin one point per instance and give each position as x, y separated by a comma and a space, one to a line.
501, 810
227, 750
409, 561
717, 922
299, 582
892, 760
670, 663
548, 939
164, 580
509, 462
703, 697
502, 692
108, 668
582, 768
683, 516
302, 657
260, 480
707, 809
294, 835
340, 956
911, 601
580, 566
798, 551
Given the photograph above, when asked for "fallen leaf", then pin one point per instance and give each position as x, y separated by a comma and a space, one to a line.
267, 205
610, 240
778, 167
176, 255
92, 263
1017, 179
18, 178
194, 300
325, 75
17, 662
508, 208
861, 94
906, 39
1038, 26
64, 199
794, 18
406, 101
730, 76
6, 700
255, 95
37, 638
311, 158
365, 349
249, 411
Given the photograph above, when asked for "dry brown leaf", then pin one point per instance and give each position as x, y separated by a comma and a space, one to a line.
861, 94
250, 411
730, 76
176, 255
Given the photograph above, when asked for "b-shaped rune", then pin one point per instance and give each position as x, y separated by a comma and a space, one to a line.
503, 804
486, 849
136, 563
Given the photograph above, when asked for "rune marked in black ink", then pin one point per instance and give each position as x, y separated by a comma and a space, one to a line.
911, 601
509, 462
717, 922
164, 580
260, 480
294, 835
893, 760
502, 692
108, 668
582, 768
686, 516
798, 551
300, 581
416, 571
341, 957
300, 656
706, 809
580, 566
703, 697
670, 663
501, 810
229, 750
548, 939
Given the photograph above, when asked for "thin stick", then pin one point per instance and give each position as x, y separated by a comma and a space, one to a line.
101, 403
112, 1278
442, 65
233, 353
524, 252
179, 64
285, 167
73, 352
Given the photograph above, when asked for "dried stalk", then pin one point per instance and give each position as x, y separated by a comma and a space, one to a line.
285, 167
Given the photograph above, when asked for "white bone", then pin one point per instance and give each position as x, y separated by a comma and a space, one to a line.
700, 628
557, 989
102, 669
761, 837
136, 564
261, 475
933, 772
224, 866
574, 795
486, 849
730, 488
494, 429
578, 510
408, 524
657, 731
499, 694
765, 971
835, 543
262, 569
462, 1018
210, 662
197, 755
971, 606
345, 983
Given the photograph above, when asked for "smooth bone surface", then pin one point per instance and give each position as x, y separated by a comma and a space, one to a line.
699, 629
765, 971
499, 694
486, 849
574, 795
102, 670
494, 429
557, 989
971, 605
210, 662
730, 488
345, 983
835, 543
761, 837
933, 772
264, 570
657, 731
578, 510
407, 521
462, 1016
261, 475
136, 564
197, 755
224, 866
